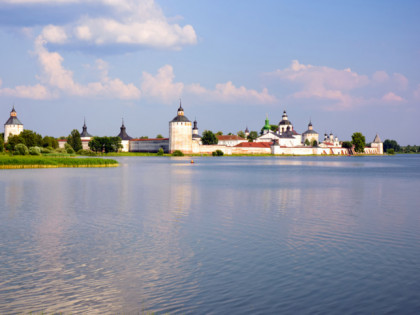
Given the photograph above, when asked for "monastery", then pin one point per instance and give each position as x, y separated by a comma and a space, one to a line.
184, 136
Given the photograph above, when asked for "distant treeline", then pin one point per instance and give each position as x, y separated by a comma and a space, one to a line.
393, 146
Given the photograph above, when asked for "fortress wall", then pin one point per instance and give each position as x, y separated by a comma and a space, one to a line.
146, 145
250, 150
209, 149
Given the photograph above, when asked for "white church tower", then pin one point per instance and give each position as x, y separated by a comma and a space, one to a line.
13, 126
180, 133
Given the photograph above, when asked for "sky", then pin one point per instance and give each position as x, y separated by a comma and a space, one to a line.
347, 66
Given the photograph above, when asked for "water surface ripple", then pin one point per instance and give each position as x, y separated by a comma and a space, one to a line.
225, 235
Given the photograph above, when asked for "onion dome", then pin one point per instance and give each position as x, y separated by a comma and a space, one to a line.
84, 133
180, 117
285, 120
123, 134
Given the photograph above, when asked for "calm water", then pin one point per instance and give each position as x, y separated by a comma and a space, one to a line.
222, 236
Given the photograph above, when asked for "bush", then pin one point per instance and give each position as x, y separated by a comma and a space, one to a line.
46, 150
60, 150
21, 149
86, 152
160, 152
177, 153
390, 151
218, 153
35, 151
68, 148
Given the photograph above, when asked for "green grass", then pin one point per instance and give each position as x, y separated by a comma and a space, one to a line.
47, 161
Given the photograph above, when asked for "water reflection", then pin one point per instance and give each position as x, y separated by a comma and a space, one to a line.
222, 235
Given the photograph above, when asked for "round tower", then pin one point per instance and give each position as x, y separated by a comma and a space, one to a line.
12, 126
180, 133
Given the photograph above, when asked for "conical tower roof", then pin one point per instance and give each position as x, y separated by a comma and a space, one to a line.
123, 134
377, 139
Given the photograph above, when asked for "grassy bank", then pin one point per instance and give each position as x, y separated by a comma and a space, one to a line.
52, 162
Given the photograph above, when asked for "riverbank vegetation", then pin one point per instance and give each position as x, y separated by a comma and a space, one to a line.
28, 161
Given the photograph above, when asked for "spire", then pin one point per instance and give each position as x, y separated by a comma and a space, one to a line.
180, 106
84, 129
13, 112
195, 124
122, 125
377, 139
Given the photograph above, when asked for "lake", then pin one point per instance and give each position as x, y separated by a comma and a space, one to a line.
226, 235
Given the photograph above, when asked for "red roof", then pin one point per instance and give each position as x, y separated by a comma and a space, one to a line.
153, 139
254, 145
229, 137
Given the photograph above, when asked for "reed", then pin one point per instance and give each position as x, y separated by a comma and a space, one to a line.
48, 162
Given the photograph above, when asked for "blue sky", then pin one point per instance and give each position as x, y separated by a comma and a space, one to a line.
346, 65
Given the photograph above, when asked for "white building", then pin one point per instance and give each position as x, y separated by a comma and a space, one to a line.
311, 135
12, 126
230, 140
180, 133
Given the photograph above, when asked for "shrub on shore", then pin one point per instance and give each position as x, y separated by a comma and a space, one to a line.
21, 149
390, 151
35, 151
177, 153
218, 153
160, 152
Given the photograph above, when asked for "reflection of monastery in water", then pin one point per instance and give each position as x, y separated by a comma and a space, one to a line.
184, 136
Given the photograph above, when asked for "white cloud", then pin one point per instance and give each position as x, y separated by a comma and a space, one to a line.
416, 92
322, 82
162, 87
392, 97
342, 89
380, 76
400, 81
54, 34
58, 77
122, 22
35, 92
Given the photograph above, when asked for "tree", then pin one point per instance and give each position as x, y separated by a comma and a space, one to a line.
1, 143
346, 144
144, 137
95, 145
31, 138
252, 136
307, 143
49, 142
12, 141
219, 133
74, 140
209, 138
314, 143
105, 144
159, 136
359, 142
391, 144
241, 134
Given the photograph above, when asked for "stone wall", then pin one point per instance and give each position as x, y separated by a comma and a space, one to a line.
180, 135
149, 145
10, 130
